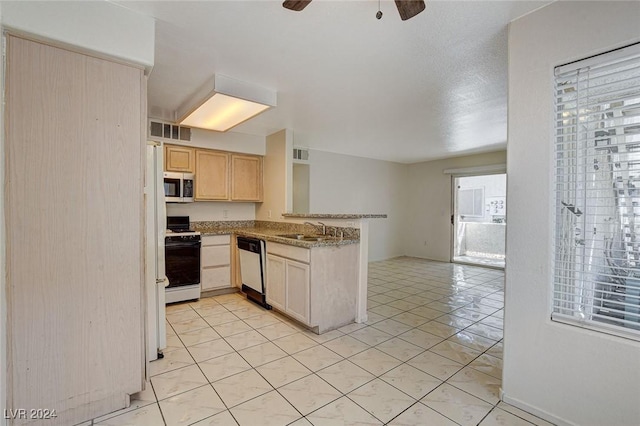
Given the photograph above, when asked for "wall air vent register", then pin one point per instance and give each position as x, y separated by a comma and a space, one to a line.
301, 154
169, 131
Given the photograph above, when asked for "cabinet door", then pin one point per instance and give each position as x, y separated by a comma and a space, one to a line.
178, 159
276, 280
246, 178
297, 297
212, 175
216, 278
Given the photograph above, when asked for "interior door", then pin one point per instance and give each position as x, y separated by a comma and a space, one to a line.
74, 213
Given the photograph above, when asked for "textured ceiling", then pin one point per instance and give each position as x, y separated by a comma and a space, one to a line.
431, 87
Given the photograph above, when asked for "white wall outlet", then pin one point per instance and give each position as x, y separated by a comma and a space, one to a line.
269, 214
225, 214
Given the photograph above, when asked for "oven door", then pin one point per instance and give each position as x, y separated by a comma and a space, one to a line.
173, 187
182, 262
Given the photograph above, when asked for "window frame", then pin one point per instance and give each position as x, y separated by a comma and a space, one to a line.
632, 333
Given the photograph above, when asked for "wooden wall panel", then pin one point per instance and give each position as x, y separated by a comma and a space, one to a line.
74, 188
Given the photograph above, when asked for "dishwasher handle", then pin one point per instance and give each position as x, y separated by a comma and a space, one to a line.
249, 244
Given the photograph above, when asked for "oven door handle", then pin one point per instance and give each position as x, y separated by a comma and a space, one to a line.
181, 244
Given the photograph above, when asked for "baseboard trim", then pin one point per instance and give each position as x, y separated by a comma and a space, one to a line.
536, 411
219, 292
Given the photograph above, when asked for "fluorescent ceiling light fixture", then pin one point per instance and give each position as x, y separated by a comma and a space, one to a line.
223, 103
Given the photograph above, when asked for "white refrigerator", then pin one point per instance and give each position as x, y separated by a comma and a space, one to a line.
155, 279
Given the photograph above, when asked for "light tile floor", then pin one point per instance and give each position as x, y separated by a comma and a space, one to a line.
481, 261
429, 354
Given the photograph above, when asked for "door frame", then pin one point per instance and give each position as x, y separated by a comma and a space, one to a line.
494, 169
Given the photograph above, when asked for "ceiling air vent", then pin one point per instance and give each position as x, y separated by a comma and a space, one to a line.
301, 154
159, 129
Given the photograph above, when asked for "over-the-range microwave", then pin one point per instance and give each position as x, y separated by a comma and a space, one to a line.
178, 187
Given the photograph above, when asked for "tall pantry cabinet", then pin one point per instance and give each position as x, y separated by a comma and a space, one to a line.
74, 213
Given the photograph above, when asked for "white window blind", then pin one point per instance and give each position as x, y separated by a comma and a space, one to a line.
597, 182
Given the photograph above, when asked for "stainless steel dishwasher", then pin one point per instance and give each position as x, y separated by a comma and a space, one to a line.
252, 269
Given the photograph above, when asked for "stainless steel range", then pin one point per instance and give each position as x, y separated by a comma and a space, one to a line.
182, 260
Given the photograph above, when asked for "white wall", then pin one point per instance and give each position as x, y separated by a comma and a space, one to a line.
229, 141
427, 233
212, 210
347, 184
96, 26
300, 192
568, 374
278, 177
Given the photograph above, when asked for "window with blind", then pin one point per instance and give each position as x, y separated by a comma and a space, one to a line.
597, 183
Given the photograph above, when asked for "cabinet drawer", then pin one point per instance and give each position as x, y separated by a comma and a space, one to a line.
215, 278
215, 256
290, 252
215, 240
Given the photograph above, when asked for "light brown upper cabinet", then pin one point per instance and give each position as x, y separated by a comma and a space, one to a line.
212, 175
246, 177
179, 159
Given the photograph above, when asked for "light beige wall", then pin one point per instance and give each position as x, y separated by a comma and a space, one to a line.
568, 374
278, 177
427, 230
348, 184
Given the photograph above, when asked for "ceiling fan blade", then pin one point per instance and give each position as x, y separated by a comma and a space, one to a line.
408, 8
296, 5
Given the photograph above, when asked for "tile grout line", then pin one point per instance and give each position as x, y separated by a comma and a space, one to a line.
415, 285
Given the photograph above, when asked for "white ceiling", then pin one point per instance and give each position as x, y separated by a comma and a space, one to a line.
431, 87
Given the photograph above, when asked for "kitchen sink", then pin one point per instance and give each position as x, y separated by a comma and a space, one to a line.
292, 236
303, 237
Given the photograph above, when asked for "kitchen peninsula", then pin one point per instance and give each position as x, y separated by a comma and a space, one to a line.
313, 276
360, 222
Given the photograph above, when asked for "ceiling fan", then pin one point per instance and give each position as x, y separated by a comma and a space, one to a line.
407, 8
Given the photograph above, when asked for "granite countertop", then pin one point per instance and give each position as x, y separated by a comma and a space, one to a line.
334, 216
270, 233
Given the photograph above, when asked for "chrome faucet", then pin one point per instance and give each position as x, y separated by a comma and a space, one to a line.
324, 228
